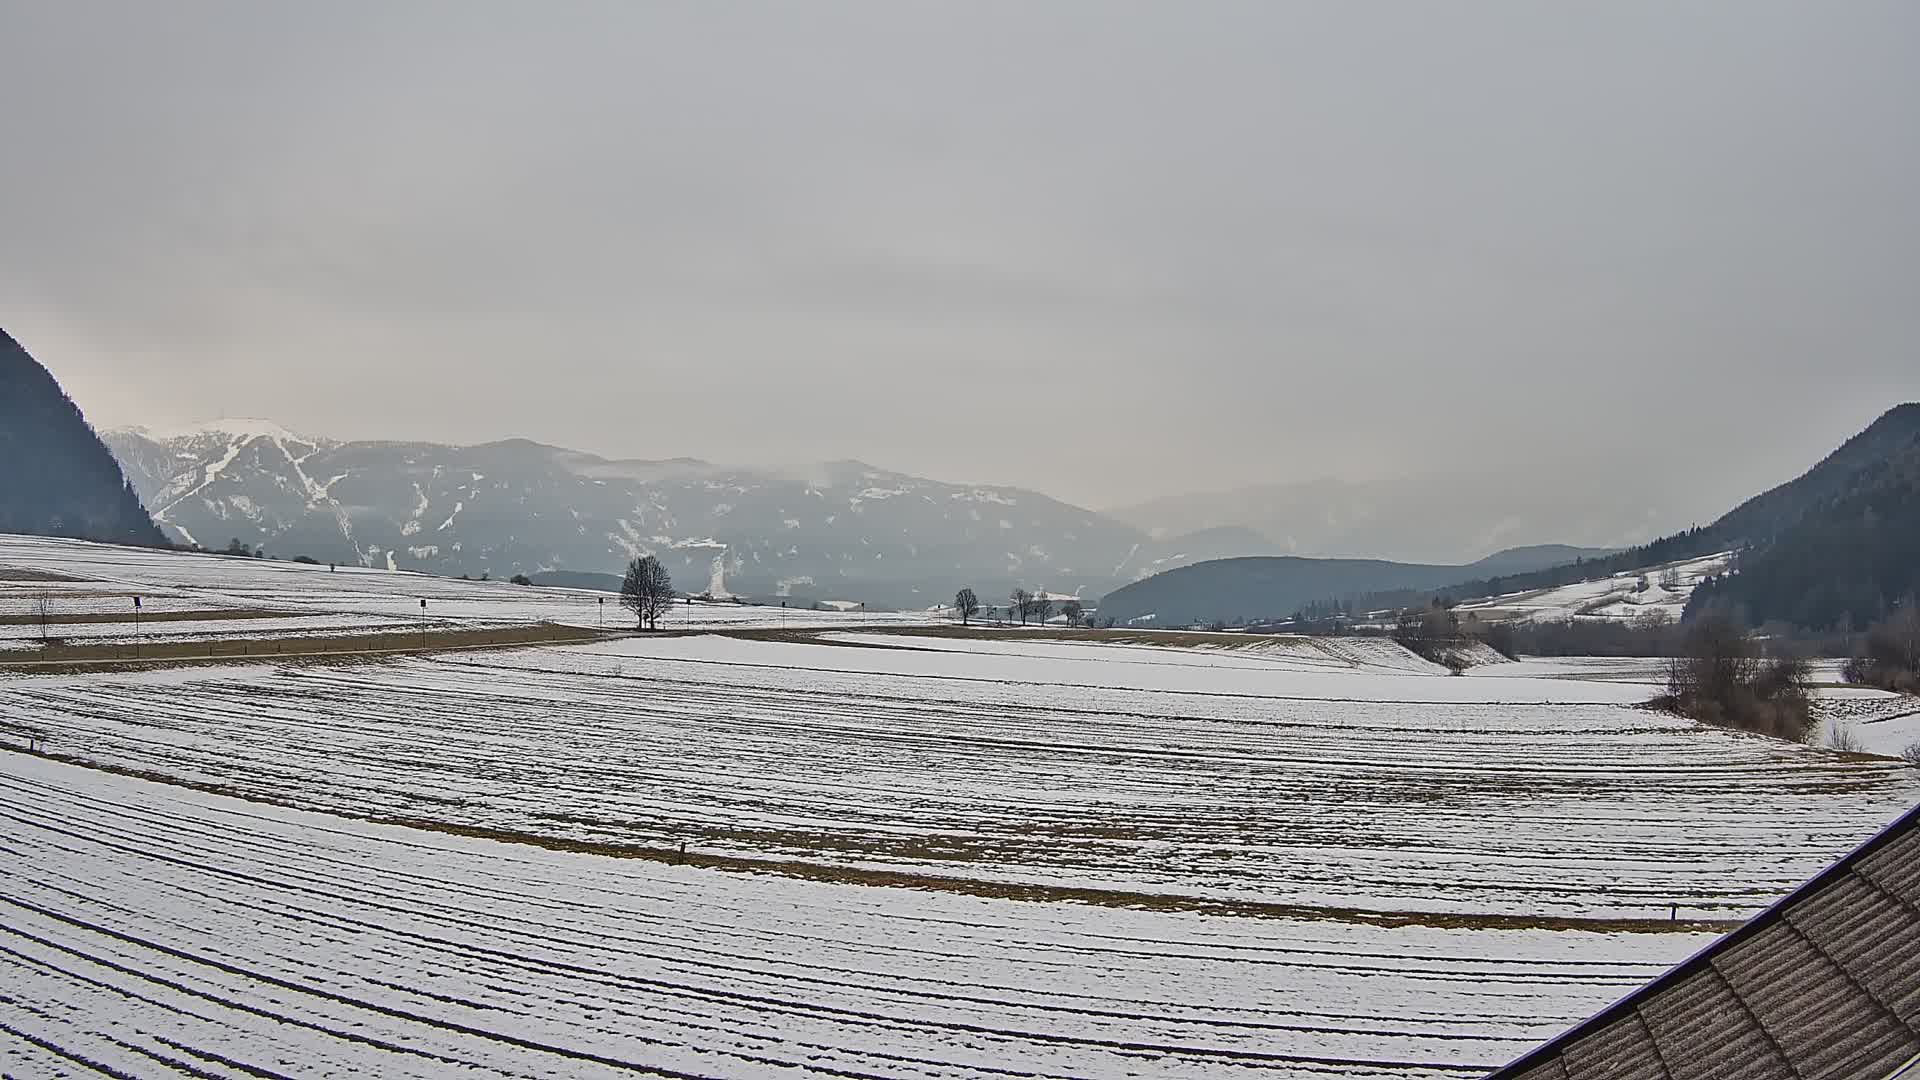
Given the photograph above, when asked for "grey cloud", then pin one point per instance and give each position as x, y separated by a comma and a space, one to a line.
1198, 245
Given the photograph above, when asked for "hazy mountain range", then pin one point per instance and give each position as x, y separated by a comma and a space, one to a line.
839, 530
842, 530
1417, 518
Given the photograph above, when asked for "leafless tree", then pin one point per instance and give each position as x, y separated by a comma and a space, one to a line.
647, 591
966, 604
43, 608
1072, 610
1721, 678
1042, 608
1020, 603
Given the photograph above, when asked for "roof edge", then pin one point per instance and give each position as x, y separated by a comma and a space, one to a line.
1546, 1051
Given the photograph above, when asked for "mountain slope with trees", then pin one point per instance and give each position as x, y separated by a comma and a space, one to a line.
59, 478
1834, 548
1274, 587
1849, 557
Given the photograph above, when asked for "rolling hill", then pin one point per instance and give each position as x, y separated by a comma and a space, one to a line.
1274, 587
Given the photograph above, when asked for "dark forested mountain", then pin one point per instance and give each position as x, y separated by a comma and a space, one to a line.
1275, 587
840, 530
56, 477
1841, 550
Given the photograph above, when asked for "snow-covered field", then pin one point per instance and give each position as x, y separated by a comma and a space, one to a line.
159, 931
109, 576
913, 853
1617, 598
1220, 777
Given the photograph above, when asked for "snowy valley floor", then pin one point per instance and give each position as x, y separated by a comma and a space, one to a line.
159, 931
913, 854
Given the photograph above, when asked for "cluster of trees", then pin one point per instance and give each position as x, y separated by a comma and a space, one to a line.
1722, 677
1889, 655
1436, 632
1022, 605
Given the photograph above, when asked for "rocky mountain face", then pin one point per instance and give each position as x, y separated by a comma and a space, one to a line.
843, 530
58, 479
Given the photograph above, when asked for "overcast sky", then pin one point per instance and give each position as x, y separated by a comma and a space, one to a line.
1109, 250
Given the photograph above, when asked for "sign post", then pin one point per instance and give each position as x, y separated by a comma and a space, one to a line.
423, 623
137, 635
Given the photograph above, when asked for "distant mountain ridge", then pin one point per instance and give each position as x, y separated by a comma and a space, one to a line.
1832, 548
836, 530
56, 476
1432, 519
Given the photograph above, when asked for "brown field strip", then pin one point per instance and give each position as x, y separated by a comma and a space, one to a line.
81, 658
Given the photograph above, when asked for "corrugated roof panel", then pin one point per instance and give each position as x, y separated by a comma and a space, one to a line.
1620, 1051
1826, 1023
1703, 1032
1896, 866
1874, 936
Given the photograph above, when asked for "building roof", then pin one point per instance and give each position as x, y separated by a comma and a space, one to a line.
1824, 984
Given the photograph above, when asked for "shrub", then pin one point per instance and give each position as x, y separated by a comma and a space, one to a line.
1911, 754
1890, 654
521, 579
1720, 678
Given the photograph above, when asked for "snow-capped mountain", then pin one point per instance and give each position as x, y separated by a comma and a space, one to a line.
839, 530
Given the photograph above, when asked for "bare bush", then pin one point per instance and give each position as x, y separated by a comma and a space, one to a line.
1890, 653
1911, 754
1844, 739
1720, 678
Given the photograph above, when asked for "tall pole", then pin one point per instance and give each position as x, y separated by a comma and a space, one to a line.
423, 624
136, 627
603, 614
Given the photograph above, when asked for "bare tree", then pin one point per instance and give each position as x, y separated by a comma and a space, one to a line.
1072, 610
43, 607
966, 604
1721, 678
647, 591
1042, 608
1020, 602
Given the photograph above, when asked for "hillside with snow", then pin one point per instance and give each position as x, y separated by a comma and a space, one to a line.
1658, 592
838, 530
